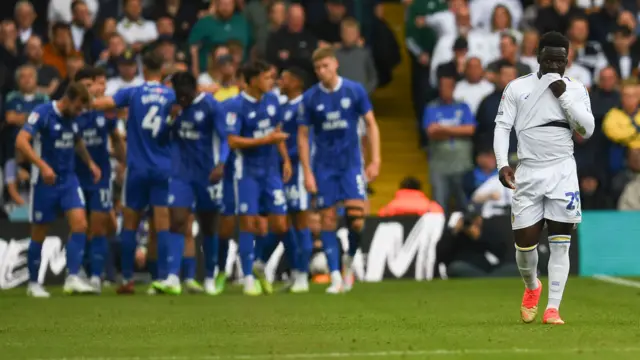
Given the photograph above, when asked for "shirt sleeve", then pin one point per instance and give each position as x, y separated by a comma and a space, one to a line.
197, 33
577, 104
35, 122
505, 119
122, 97
304, 111
11, 104
218, 117
467, 116
427, 117
363, 102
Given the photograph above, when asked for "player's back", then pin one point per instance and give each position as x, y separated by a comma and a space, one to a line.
148, 141
333, 117
252, 118
94, 128
545, 134
199, 131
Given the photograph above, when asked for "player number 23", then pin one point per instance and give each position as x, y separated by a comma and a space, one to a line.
574, 199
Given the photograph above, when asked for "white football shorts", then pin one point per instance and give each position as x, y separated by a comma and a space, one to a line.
546, 191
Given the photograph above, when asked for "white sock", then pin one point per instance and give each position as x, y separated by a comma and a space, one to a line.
527, 260
558, 268
336, 278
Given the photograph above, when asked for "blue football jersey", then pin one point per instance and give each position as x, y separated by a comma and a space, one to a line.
148, 124
333, 117
289, 110
251, 118
95, 129
54, 138
200, 139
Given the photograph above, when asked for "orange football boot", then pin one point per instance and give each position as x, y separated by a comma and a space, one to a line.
552, 317
529, 307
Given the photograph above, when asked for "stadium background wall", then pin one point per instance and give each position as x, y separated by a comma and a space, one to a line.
394, 247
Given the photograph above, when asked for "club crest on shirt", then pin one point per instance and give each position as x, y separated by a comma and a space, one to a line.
100, 121
231, 119
320, 107
199, 116
271, 110
33, 118
288, 115
345, 103
252, 115
57, 127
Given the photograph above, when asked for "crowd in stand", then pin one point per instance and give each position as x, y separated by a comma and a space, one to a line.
43, 44
465, 52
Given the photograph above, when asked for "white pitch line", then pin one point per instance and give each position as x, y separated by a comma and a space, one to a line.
372, 354
618, 281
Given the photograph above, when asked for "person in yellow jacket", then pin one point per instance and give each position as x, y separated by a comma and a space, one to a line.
622, 125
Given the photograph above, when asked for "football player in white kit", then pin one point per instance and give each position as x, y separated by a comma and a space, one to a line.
546, 109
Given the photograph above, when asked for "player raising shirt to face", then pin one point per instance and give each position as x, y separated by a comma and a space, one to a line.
254, 132
332, 109
199, 154
96, 130
146, 181
545, 108
55, 187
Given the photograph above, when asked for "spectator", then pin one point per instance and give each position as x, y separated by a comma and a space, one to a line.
237, 51
16, 180
410, 200
9, 52
509, 54
623, 53
488, 109
494, 198
530, 15
622, 178
577, 71
134, 29
474, 88
620, 125
468, 252
434, 15
329, 29
457, 64
484, 170
25, 16
60, 10
588, 53
603, 22
127, 70
183, 15
292, 45
557, 16
59, 49
74, 63
212, 30
81, 30
99, 50
167, 48
167, 39
48, 77
264, 16
630, 197
19, 103
501, 23
115, 50
528, 54
592, 194
482, 12
450, 126
355, 60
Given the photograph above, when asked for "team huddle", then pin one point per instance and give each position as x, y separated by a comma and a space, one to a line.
256, 162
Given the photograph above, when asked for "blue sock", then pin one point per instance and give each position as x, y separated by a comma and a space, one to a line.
152, 266
245, 250
163, 243
127, 253
269, 244
223, 254
291, 248
75, 252
34, 254
98, 255
305, 248
210, 246
86, 258
354, 242
176, 249
259, 247
330, 245
189, 268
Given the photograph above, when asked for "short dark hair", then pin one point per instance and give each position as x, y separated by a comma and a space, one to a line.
99, 72
183, 81
87, 72
503, 64
60, 26
77, 91
510, 36
553, 39
299, 74
152, 62
254, 69
411, 183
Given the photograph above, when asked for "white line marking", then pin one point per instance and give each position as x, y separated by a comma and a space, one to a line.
618, 281
371, 354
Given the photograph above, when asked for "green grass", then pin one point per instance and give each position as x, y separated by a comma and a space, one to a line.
392, 320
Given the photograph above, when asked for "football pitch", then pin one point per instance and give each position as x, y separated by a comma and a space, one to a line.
476, 319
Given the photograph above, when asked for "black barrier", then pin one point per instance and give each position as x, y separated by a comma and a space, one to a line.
395, 247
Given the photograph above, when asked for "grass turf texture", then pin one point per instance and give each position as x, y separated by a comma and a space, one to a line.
392, 320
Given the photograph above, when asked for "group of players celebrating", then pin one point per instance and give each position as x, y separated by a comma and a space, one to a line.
255, 162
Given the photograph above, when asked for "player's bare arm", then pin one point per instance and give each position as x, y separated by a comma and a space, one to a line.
103, 103
83, 153
238, 142
119, 147
15, 118
286, 162
23, 145
439, 132
373, 139
303, 153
